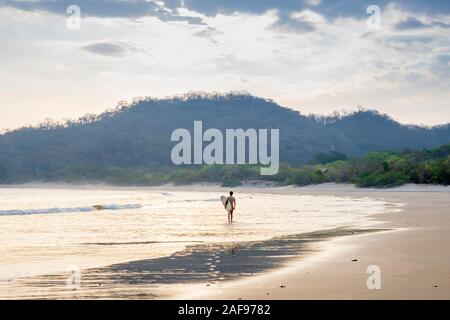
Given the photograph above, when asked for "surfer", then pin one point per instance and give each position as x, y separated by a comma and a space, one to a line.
231, 200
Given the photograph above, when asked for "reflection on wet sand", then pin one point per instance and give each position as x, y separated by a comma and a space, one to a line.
207, 263
233, 250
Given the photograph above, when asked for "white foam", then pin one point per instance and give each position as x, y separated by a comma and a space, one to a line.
56, 210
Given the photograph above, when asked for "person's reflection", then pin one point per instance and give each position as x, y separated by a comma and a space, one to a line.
233, 250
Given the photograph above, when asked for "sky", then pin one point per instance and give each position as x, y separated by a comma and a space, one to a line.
315, 56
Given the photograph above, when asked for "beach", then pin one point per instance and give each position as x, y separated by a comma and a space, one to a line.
169, 242
413, 257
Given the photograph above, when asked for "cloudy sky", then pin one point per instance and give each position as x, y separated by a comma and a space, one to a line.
315, 56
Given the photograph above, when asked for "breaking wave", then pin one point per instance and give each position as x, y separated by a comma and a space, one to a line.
70, 210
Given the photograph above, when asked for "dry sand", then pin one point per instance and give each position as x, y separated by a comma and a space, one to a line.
414, 258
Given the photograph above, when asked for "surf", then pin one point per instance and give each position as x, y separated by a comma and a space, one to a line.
57, 210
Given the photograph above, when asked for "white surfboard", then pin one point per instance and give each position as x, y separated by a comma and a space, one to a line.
228, 205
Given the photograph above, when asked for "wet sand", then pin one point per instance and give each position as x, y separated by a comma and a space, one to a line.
414, 258
209, 264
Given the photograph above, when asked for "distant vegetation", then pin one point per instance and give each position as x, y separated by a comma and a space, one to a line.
328, 157
131, 145
376, 169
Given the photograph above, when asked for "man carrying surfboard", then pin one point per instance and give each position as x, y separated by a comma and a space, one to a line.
230, 205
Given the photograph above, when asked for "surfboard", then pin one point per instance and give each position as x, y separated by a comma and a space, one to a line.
224, 201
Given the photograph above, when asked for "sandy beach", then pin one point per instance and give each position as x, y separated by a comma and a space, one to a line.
404, 237
413, 257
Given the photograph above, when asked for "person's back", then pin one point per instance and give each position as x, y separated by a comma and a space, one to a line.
231, 200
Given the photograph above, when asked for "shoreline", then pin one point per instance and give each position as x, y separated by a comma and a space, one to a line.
409, 247
413, 258
251, 185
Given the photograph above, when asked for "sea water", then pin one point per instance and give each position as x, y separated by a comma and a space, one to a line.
46, 230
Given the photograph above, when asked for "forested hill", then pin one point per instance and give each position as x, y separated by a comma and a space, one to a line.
138, 135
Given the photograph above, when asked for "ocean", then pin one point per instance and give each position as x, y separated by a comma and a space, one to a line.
51, 230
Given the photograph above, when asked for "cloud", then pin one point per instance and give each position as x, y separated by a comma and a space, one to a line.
441, 65
308, 16
327, 60
314, 2
105, 9
410, 23
413, 23
165, 10
408, 39
299, 21
112, 49
209, 33
169, 10
424, 7
329, 8
293, 23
